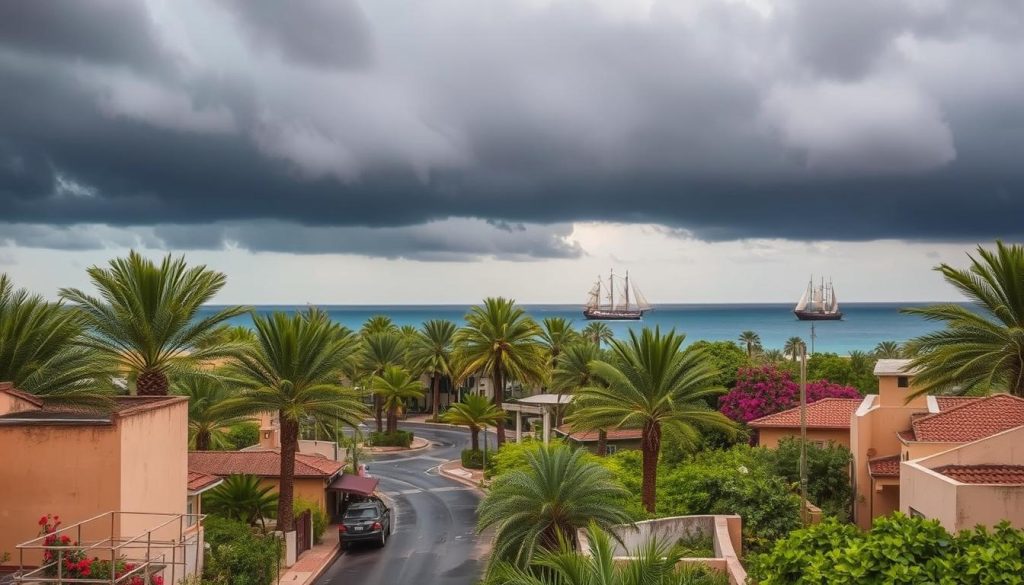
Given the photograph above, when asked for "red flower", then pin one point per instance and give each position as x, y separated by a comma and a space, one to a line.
42, 520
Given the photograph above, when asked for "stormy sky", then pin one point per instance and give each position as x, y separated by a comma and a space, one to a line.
395, 151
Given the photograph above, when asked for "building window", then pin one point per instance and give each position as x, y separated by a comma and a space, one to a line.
611, 449
903, 382
190, 509
915, 514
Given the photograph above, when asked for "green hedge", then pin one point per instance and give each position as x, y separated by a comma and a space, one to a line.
472, 458
319, 516
244, 435
238, 555
396, 439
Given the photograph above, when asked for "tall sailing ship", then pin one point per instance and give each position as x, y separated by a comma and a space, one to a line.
819, 303
603, 304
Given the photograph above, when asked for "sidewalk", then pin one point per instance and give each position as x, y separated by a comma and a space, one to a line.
454, 470
314, 561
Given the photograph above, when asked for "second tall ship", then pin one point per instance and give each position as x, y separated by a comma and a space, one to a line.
603, 304
819, 303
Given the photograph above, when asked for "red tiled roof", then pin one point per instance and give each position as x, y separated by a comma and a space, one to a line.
907, 435
198, 481
950, 402
261, 463
592, 436
885, 466
972, 420
827, 413
1000, 474
8, 388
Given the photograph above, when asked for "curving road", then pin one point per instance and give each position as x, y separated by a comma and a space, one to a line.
434, 539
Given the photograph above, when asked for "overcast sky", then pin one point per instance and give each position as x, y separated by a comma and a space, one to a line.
387, 151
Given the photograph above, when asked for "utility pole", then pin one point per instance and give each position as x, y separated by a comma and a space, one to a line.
813, 337
803, 435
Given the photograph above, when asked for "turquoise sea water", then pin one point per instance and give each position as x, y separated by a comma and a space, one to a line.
863, 325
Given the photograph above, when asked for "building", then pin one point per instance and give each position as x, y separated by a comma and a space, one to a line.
828, 420
615, 439
80, 463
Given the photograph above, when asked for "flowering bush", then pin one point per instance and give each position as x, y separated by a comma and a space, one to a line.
765, 389
60, 548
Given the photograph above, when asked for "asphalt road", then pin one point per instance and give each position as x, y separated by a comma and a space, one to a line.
434, 540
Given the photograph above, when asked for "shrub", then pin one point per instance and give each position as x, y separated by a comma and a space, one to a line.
472, 458
239, 556
396, 439
320, 519
764, 390
828, 473
244, 435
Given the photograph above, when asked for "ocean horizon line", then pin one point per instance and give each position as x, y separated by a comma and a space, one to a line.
580, 305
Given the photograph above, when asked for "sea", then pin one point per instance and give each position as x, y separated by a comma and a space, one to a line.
863, 326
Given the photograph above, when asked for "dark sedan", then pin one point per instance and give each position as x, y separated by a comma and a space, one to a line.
368, 521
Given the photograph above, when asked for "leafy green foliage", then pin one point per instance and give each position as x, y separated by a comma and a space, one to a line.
319, 516
726, 357
474, 458
243, 435
398, 438
828, 473
243, 498
239, 556
858, 373
474, 412
898, 549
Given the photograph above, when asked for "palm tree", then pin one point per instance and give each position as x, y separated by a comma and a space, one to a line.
793, 348
475, 412
753, 342
543, 505
146, 317
556, 334
655, 386
500, 341
294, 369
378, 352
40, 351
432, 353
598, 333
655, 563
888, 350
773, 355
242, 497
572, 373
394, 386
378, 324
981, 347
207, 426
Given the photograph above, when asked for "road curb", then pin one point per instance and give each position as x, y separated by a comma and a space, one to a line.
323, 568
462, 480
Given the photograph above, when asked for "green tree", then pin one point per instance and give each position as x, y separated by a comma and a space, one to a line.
981, 348
378, 324
378, 351
598, 333
294, 369
572, 373
40, 351
395, 385
432, 352
888, 350
556, 334
793, 348
828, 472
474, 412
500, 341
208, 426
726, 357
243, 498
146, 317
752, 341
655, 386
544, 505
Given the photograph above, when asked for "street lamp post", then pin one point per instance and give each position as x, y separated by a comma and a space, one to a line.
803, 435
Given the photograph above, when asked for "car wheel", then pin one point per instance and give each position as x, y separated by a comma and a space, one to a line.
383, 538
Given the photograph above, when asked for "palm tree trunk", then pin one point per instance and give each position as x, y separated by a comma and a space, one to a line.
378, 413
392, 420
436, 394
602, 442
286, 489
202, 440
152, 383
474, 438
651, 447
499, 397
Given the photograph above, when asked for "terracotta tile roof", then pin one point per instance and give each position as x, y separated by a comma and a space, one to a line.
885, 466
971, 420
949, 402
262, 463
8, 388
997, 474
907, 435
199, 481
827, 413
592, 436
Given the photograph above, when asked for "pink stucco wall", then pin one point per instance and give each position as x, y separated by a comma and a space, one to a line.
770, 437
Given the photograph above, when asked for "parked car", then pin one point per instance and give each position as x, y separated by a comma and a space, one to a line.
368, 521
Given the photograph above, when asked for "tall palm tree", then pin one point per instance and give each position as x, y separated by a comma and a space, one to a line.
379, 351
40, 351
432, 352
752, 341
543, 505
573, 372
500, 341
294, 369
207, 426
395, 385
378, 324
981, 347
773, 355
888, 350
794, 345
556, 334
146, 317
242, 497
474, 412
657, 562
598, 332
653, 385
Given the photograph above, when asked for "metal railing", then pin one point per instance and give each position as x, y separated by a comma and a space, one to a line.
160, 550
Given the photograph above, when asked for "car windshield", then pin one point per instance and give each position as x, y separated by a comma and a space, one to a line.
360, 513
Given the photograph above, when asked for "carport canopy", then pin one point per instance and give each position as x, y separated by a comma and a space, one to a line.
354, 484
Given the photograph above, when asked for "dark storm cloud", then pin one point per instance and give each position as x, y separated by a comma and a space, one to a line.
703, 116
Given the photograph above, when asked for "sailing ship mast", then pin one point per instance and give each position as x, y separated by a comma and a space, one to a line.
631, 305
818, 303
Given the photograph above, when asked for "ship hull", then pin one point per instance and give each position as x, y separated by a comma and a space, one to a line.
598, 315
818, 316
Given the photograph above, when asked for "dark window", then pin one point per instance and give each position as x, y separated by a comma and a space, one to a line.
915, 514
903, 382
